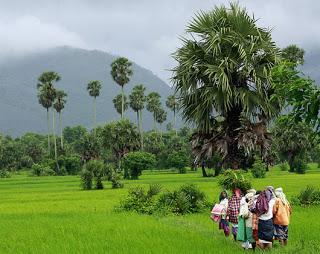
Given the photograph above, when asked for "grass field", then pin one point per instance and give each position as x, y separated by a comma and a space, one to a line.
53, 215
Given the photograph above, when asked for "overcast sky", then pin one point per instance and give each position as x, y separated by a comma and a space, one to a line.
145, 31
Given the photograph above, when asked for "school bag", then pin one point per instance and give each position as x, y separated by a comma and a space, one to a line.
262, 204
216, 212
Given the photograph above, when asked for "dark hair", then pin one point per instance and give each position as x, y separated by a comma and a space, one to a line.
220, 197
258, 192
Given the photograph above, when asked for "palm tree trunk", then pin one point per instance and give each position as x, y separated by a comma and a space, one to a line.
48, 126
174, 121
154, 122
55, 141
94, 115
140, 124
122, 101
61, 131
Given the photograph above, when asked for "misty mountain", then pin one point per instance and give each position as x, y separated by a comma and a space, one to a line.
20, 111
311, 67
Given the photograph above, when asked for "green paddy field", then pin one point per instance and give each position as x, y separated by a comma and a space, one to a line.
53, 215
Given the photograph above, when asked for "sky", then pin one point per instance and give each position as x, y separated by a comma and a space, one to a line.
145, 31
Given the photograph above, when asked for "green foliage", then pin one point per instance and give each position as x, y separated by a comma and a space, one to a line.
178, 160
309, 196
4, 173
258, 169
73, 134
120, 137
232, 179
26, 162
41, 170
299, 165
93, 169
134, 162
117, 103
94, 87
71, 163
291, 140
89, 147
140, 201
86, 179
187, 199
293, 54
284, 166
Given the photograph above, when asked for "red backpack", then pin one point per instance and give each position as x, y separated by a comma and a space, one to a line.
262, 204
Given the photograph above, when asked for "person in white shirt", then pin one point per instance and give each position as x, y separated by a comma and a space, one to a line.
223, 223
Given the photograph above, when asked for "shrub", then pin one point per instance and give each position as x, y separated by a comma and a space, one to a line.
86, 179
4, 173
300, 166
26, 161
308, 196
178, 160
187, 199
232, 179
140, 201
258, 169
134, 162
41, 170
72, 163
284, 166
93, 169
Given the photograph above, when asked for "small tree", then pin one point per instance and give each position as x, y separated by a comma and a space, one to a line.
135, 162
178, 160
94, 169
121, 137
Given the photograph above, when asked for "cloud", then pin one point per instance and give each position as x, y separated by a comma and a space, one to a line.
146, 31
28, 33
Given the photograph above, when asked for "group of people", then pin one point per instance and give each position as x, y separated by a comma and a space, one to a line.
256, 218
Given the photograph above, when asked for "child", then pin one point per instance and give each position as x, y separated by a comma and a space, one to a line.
223, 222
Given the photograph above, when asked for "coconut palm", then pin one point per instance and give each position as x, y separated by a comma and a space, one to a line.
47, 93
137, 100
59, 105
121, 72
94, 87
172, 104
120, 103
222, 76
161, 117
153, 104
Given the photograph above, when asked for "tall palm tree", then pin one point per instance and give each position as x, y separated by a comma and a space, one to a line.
222, 76
47, 94
137, 100
172, 104
45, 102
121, 71
120, 103
94, 87
59, 105
153, 104
161, 117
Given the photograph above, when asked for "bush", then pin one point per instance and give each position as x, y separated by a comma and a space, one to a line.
41, 170
4, 173
309, 196
26, 161
134, 162
187, 199
178, 160
140, 201
86, 179
284, 166
232, 179
93, 169
300, 166
258, 169
71, 164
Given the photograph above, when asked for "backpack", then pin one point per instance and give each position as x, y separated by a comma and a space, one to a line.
262, 204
